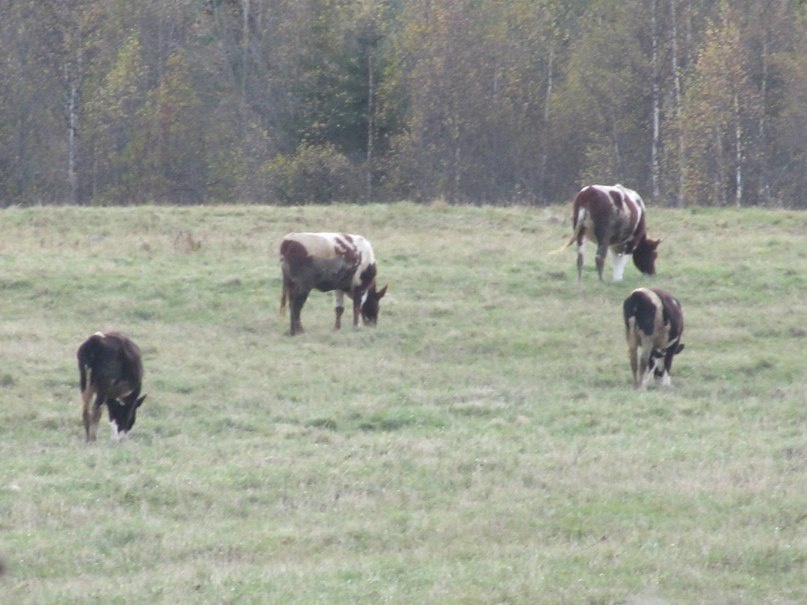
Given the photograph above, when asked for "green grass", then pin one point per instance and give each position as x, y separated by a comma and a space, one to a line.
482, 445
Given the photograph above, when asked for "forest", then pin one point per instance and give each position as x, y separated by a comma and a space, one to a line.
126, 102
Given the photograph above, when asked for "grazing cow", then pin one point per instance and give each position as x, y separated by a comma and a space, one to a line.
654, 321
110, 368
329, 261
612, 216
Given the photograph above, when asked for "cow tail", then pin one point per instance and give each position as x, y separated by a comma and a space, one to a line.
83, 366
284, 295
85, 377
578, 227
629, 311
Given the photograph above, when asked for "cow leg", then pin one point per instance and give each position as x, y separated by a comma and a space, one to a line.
581, 254
297, 300
86, 403
647, 368
92, 416
620, 262
117, 416
357, 296
85, 415
338, 307
112, 406
633, 357
666, 381
646, 365
602, 252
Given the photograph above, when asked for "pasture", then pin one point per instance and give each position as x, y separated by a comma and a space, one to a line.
482, 445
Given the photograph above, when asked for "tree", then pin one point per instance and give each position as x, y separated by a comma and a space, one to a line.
606, 102
786, 138
114, 114
720, 109
70, 33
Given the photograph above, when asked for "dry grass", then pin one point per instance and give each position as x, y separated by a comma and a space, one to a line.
482, 445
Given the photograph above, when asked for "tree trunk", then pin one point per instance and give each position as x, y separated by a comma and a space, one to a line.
738, 153
677, 109
370, 126
764, 186
72, 133
654, 145
547, 99
244, 55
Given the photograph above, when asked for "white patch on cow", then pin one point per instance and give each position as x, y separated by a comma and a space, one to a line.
101, 334
620, 262
118, 436
338, 299
326, 246
581, 215
581, 250
665, 379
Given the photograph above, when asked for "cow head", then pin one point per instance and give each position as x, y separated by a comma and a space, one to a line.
644, 255
123, 413
370, 306
657, 358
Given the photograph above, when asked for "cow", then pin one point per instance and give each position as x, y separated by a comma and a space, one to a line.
338, 262
654, 322
110, 367
612, 216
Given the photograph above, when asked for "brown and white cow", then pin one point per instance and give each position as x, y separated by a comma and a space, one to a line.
654, 322
110, 367
338, 262
612, 217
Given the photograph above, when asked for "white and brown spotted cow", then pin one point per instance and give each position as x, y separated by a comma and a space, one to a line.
338, 262
612, 217
110, 367
654, 322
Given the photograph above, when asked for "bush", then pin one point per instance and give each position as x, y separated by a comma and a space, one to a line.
315, 174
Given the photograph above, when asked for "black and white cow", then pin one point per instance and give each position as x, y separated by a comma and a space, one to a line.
612, 217
338, 262
110, 367
654, 322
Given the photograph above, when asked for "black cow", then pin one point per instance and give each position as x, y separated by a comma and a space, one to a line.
654, 321
110, 367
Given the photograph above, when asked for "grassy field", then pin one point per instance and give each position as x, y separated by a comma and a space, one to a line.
482, 445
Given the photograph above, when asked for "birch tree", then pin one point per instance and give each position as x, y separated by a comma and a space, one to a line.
721, 106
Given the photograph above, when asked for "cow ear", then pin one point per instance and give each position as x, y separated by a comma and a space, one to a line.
679, 349
658, 241
139, 401
382, 291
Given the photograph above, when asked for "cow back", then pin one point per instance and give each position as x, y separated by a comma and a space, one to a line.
641, 307
327, 261
672, 313
114, 363
655, 313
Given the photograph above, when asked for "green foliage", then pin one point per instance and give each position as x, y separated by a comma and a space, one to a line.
481, 102
714, 123
481, 445
116, 110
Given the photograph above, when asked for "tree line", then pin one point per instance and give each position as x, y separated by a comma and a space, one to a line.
690, 102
